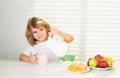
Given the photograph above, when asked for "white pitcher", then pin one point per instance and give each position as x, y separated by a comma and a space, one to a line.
57, 45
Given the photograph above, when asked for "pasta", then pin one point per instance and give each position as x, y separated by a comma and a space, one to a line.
77, 67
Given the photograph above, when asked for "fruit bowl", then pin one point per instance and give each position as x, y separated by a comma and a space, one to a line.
100, 62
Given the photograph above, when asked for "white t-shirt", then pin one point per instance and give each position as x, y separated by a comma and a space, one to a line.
54, 47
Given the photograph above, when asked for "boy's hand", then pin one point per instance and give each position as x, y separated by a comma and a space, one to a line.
33, 58
55, 31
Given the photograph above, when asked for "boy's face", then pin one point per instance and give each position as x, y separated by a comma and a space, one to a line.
40, 33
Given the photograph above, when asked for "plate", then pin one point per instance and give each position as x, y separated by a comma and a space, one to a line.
108, 68
78, 68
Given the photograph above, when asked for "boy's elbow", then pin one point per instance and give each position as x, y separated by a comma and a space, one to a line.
70, 39
21, 57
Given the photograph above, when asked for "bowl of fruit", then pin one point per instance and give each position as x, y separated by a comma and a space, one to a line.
100, 62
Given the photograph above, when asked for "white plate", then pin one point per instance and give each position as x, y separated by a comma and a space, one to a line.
108, 68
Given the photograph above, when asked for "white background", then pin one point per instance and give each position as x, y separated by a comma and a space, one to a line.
13, 17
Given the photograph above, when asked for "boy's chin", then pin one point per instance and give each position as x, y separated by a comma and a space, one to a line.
41, 40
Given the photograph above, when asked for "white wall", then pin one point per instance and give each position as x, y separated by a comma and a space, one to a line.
93, 23
13, 17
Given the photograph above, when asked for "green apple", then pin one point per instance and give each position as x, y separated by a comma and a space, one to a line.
93, 63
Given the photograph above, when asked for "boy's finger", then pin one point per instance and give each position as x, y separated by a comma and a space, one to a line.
34, 54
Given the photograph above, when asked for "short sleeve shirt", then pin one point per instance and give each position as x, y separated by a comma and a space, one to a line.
40, 48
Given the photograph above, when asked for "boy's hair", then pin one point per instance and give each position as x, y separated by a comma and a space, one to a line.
35, 22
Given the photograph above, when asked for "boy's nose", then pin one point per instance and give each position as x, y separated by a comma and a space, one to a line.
39, 33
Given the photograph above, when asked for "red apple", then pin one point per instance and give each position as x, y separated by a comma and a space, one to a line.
98, 57
102, 63
88, 62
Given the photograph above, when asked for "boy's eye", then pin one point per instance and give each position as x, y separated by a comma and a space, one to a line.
41, 29
35, 32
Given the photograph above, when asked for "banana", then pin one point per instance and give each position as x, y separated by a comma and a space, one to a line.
109, 60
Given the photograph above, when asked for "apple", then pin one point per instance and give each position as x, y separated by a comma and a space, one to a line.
88, 61
93, 63
102, 63
98, 57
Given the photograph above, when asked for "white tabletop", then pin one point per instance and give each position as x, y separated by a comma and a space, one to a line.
19, 69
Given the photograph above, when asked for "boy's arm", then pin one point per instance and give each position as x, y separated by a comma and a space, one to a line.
67, 37
31, 59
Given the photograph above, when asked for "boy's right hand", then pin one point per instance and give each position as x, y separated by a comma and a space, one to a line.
33, 58
55, 31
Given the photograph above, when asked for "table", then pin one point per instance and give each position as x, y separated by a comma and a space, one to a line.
20, 69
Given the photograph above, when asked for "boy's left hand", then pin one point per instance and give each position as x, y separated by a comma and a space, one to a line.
55, 31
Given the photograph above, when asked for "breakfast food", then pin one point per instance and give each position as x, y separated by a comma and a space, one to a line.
77, 67
100, 61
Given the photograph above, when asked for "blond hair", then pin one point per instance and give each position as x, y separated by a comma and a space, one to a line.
35, 22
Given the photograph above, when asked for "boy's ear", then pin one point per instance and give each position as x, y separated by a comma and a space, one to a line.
48, 30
